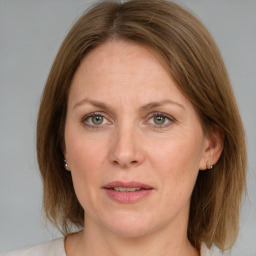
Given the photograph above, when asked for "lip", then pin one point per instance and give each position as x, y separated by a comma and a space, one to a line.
127, 197
131, 184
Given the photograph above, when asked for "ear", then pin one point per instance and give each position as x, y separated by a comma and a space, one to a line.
213, 146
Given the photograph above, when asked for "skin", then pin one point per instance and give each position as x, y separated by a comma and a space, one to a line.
131, 145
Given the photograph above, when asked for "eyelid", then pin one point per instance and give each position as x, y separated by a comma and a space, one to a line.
169, 117
92, 114
153, 114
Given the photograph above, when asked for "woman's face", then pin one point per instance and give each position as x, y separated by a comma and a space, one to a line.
134, 144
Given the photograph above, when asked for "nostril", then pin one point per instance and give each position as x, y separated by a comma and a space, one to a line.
115, 162
125, 164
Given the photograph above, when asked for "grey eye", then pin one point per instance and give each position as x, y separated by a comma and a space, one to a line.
159, 120
97, 120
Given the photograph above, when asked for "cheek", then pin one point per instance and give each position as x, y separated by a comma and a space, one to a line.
178, 164
85, 157
84, 153
180, 154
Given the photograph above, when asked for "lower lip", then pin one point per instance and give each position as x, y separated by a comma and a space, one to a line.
128, 197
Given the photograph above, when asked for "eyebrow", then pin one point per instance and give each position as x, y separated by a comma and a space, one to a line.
159, 104
143, 108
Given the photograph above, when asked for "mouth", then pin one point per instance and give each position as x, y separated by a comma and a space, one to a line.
127, 192
127, 186
122, 189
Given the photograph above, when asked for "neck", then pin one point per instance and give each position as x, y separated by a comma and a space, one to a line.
162, 242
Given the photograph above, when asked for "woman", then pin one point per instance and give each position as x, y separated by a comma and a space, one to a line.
139, 139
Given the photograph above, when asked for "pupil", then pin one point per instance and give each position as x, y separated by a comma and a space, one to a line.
97, 119
159, 120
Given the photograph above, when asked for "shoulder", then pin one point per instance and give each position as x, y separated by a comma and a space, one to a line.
52, 248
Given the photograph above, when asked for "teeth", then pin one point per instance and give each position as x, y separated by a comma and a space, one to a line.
120, 189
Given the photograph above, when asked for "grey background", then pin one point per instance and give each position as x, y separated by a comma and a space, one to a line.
30, 34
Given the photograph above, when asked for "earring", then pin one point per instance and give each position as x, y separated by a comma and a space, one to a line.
208, 166
65, 164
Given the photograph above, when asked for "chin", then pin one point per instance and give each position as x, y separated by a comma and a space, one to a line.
131, 226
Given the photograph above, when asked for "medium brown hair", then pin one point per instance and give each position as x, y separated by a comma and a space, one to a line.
197, 67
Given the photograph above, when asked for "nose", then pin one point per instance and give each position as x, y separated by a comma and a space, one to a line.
126, 148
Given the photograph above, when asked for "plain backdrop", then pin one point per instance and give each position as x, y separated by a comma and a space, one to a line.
31, 32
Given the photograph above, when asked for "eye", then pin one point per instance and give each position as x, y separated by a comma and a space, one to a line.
97, 120
160, 120
94, 120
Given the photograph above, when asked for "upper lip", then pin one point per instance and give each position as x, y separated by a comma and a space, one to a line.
131, 184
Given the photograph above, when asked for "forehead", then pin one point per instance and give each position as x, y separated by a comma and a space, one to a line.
122, 65
114, 54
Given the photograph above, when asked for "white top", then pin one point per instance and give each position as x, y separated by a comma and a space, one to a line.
56, 248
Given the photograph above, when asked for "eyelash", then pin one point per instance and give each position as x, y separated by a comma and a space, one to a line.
159, 114
84, 120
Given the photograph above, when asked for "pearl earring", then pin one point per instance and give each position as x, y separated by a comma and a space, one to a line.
209, 167
65, 164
